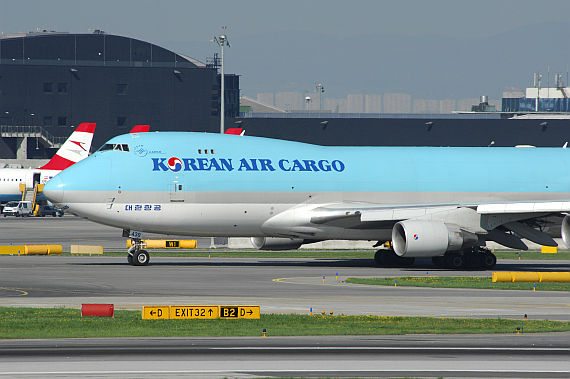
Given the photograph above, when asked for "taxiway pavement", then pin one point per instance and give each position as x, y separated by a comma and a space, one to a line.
497, 356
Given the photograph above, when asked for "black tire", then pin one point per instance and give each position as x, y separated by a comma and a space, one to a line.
405, 261
473, 259
454, 261
388, 258
438, 262
130, 259
379, 258
489, 260
141, 258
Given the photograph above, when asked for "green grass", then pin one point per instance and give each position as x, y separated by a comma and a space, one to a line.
525, 255
68, 323
459, 282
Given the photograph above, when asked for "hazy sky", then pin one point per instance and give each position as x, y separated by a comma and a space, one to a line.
431, 49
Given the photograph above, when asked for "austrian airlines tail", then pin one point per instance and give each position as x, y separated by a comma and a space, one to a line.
75, 148
140, 129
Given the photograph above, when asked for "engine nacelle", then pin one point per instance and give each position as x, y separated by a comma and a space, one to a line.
276, 243
417, 238
565, 230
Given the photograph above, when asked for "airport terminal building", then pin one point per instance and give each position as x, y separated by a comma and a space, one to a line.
51, 82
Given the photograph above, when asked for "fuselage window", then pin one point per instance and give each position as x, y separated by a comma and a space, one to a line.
211, 151
115, 146
199, 151
107, 146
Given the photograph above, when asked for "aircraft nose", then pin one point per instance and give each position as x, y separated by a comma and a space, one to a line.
54, 189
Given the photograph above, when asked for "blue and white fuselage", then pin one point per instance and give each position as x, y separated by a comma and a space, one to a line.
225, 185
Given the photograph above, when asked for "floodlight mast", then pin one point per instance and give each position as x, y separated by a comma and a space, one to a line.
222, 40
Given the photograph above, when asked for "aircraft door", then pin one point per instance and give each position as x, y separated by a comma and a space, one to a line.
37, 178
176, 191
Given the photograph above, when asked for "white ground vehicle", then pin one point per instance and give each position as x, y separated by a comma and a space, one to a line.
18, 209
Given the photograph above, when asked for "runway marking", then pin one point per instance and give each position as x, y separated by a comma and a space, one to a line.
22, 292
339, 283
286, 280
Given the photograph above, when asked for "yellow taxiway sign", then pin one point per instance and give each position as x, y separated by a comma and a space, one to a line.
240, 311
194, 311
156, 313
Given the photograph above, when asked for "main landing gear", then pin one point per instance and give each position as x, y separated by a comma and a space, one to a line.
467, 259
388, 258
473, 258
136, 256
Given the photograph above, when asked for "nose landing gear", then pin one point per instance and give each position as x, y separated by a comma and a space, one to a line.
136, 255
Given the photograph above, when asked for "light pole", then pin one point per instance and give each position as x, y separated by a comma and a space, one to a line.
222, 40
307, 100
320, 91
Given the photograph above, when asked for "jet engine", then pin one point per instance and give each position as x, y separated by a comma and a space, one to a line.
565, 230
417, 238
276, 243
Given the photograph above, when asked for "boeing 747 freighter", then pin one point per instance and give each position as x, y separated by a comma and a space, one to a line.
443, 203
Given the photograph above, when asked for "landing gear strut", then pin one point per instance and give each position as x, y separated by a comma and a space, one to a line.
136, 256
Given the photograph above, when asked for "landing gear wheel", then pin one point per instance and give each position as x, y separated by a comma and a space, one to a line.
438, 262
130, 259
388, 258
405, 261
379, 258
472, 258
489, 260
454, 261
141, 258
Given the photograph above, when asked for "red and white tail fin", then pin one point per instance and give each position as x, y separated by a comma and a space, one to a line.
74, 149
140, 129
236, 131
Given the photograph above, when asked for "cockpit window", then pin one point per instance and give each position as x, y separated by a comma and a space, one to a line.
115, 146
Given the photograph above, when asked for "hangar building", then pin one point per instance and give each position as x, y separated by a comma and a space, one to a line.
51, 81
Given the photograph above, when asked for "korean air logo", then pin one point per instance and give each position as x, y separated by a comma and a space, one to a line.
174, 164
416, 236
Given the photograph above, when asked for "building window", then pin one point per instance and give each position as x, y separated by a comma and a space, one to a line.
48, 121
48, 87
61, 121
121, 120
122, 89
62, 88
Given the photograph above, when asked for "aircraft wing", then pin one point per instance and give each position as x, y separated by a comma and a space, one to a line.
505, 223
375, 213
